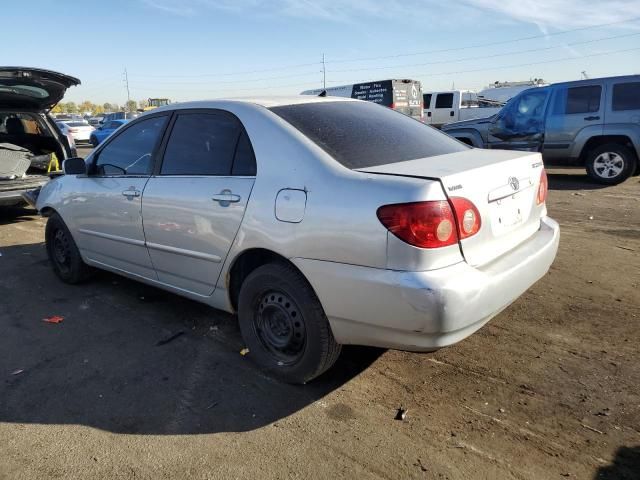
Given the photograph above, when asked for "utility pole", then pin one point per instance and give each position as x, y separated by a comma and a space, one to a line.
324, 74
126, 82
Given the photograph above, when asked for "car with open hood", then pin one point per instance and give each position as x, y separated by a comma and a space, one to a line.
29, 136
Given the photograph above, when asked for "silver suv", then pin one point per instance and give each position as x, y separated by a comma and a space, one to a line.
593, 123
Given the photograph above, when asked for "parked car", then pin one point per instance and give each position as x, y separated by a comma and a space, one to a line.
102, 132
591, 123
119, 116
321, 222
26, 97
95, 122
80, 130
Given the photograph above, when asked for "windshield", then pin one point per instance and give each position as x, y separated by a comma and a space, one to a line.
362, 134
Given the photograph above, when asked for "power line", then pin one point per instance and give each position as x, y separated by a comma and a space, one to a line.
489, 44
352, 60
612, 52
517, 52
310, 73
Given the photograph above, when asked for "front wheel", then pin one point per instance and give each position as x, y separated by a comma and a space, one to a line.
610, 164
94, 141
284, 325
63, 252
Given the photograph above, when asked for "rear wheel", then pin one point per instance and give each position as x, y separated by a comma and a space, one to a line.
283, 324
63, 252
610, 164
93, 140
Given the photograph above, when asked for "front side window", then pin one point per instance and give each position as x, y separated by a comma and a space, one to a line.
130, 153
444, 100
626, 96
201, 144
426, 100
524, 114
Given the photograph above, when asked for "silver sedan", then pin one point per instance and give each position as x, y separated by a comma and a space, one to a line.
319, 221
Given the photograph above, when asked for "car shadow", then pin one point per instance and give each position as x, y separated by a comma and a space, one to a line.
625, 465
572, 181
16, 214
132, 359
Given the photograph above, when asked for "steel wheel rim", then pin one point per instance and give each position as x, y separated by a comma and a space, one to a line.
608, 165
61, 251
280, 327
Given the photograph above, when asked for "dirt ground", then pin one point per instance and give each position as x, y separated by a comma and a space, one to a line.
548, 389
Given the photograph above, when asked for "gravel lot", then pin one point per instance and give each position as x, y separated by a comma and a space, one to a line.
549, 389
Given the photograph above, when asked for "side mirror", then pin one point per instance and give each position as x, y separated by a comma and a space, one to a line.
74, 166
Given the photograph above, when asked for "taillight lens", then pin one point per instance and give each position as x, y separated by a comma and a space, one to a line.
543, 188
421, 224
468, 216
431, 224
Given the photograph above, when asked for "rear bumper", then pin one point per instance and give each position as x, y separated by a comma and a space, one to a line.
423, 311
11, 198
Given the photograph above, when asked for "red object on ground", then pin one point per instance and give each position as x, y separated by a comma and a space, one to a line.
54, 319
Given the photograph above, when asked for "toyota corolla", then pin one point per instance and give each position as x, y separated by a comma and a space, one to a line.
319, 221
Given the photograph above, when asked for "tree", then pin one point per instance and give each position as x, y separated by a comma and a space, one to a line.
59, 108
142, 104
71, 107
108, 107
98, 109
132, 105
86, 106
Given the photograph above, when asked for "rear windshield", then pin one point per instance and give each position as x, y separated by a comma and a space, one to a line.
362, 134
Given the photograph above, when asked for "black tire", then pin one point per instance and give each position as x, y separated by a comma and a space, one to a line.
284, 325
63, 252
94, 141
611, 163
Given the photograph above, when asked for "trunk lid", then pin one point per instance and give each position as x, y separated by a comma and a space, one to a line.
33, 88
503, 185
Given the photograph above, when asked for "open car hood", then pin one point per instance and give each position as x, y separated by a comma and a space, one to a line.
32, 88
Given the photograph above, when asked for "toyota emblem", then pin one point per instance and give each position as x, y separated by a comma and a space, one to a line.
515, 184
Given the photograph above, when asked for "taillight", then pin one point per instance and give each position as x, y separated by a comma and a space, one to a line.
431, 224
543, 188
421, 224
468, 217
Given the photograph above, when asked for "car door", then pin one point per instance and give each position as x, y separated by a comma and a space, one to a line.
107, 213
520, 124
194, 204
573, 108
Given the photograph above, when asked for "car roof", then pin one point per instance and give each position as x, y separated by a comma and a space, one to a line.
267, 102
595, 80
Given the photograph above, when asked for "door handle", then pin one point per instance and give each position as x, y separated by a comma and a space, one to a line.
595, 117
131, 193
225, 197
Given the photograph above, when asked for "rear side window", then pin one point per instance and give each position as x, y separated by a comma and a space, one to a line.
362, 134
444, 100
426, 98
626, 96
583, 99
130, 153
244, 161
201, 144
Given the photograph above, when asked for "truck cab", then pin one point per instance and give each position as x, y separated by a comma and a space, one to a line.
441, 108
592, 123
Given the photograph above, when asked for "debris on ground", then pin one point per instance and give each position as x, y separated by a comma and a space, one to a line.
170, 339
17, 372
244, 351
401, 414
53, 319
501, 410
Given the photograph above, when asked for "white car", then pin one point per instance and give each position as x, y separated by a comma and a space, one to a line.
80, 130
320, 221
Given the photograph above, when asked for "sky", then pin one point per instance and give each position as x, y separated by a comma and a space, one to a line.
199, 49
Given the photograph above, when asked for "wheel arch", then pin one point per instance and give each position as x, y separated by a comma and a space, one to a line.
245, 263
